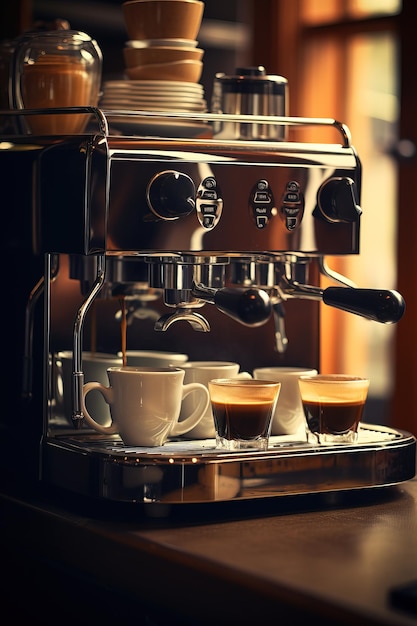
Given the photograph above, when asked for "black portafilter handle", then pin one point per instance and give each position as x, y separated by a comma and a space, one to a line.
382, 305
250, 307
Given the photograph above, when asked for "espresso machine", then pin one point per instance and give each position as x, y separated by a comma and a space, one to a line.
160, 230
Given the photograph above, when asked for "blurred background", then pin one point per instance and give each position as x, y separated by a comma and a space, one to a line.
350, 60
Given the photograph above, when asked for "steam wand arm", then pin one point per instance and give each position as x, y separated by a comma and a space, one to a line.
382, 305
379, 305
250, 307
77, 416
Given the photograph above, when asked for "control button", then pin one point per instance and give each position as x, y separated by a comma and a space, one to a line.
261, 203
209, 182
292, 205
293, 186
208, 209
262, 196
292, 197
209, 194
261, 221
208, 221
209, 203
291, 223
291, 210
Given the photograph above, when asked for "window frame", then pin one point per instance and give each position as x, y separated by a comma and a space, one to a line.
278, 35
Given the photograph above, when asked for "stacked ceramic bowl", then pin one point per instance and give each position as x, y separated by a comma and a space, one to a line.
163, 63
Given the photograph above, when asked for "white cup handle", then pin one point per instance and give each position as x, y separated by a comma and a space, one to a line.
244, 375
107, 393
186, 424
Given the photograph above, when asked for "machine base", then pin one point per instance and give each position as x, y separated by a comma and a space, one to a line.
189, 472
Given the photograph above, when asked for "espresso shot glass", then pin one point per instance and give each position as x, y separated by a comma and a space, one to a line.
243, 410
333, 406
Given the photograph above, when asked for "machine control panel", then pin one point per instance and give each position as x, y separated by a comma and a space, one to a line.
262, 203
209, 202
292, 205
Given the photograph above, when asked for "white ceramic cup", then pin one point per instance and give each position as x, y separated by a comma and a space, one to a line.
289, 416
145, 404
94, 367
202, 372
154, 358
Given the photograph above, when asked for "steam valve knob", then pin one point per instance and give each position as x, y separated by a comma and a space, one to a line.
171, 195
337, 200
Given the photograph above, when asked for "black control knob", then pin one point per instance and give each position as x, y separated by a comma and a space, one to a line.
171, 195
337, 200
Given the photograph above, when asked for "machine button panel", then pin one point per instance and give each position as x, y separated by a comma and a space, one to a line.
209, 203
292, 205
261, 203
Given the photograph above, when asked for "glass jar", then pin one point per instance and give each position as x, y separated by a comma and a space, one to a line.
55, 69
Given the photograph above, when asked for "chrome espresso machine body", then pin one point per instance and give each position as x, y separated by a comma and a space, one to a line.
141, 227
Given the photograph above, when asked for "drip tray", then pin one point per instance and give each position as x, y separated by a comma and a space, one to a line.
189, 471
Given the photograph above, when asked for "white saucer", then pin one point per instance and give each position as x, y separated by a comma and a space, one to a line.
166, 93
153, 85
161, 127
153, 96
153, 99
148, 43
126, 106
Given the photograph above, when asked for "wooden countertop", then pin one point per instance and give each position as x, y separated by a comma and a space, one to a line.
334, 558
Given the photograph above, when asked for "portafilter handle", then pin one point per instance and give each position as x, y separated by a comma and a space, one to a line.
382, 306
250, 307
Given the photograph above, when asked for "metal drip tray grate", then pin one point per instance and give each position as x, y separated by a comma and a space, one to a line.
182, 471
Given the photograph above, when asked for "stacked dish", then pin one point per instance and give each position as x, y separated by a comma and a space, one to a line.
163, 67
153, 95
163, 40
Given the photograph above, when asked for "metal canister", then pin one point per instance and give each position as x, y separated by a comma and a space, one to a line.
251, 91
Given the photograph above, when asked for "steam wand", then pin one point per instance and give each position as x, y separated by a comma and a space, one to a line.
77, 416
379, 305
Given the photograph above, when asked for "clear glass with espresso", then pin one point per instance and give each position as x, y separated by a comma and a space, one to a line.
243, 411
333, 406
